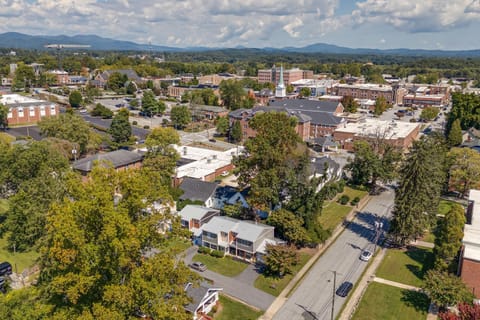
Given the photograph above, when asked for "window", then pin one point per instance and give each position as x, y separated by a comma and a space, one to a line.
20, 113
244, 242
53, 111
10, 114
32, 112
42, 111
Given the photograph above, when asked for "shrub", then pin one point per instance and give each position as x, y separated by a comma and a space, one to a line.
204, 250
344, 199
340, 186
217, 253
134, 123
355, 201
146, 127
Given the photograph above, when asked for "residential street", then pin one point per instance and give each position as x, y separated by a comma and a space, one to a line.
312, 299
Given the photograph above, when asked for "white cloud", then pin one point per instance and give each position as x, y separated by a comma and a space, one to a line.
290, 27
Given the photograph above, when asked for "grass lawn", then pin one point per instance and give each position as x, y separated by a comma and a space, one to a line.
233, 310
21, 259
3, 205
332, 215
179, 245
384, 302
406, 266
275, 285
444, 206
352, 193
225, 266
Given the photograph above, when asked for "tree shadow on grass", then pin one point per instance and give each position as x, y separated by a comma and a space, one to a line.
416, 299
415, 270
422, 256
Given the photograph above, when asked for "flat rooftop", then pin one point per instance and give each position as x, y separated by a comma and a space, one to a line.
471, 234
14, 98
367, 86
371, 127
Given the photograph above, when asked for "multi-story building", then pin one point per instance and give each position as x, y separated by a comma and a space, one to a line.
469, 263
397, 133
370, 91
24, 110
290, 75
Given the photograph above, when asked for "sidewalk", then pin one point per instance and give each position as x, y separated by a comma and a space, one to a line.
422, 244
283, 296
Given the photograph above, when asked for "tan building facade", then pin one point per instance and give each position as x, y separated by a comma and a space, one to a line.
368, 91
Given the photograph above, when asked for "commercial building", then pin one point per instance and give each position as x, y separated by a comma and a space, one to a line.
372, 91
289, 76
25, 110
397, 133
469, 264
119, 160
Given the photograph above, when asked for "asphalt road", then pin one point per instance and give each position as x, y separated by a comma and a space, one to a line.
312, 300
105, 123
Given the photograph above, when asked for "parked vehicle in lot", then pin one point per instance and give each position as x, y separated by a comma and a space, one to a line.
5, 269
198, 266
344, 289
366, 255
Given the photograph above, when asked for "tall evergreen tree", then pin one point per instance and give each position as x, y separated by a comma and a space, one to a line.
236, 132
449, 239
455, 134
3, 117
422, 176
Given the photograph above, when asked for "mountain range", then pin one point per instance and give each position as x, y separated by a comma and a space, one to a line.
15, 40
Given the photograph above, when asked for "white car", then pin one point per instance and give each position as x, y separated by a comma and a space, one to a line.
366, 255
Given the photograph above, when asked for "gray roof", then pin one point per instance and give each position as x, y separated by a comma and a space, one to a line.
306, 105
317, 164
195, 212
323, 141
131, 74
246, 230
197, 294
118, 158
194, 189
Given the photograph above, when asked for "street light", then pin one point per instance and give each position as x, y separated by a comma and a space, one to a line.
378, 232
74, 152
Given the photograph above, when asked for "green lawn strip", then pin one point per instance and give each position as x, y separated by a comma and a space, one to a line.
225, 266
274, 285
6, 137
406, 266
332, 215
384, 302
178, 245
444, 206
352, 193
21, 260
234, 310
3, 205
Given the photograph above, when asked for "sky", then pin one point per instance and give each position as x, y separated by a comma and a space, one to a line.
383, 24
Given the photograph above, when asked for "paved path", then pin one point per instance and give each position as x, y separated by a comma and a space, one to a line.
422, 244
239, 287
396, 284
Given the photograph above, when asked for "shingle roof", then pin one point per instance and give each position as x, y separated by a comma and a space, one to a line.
195, 212
197, 294
118, 158
306, 105
194, 189
317, 165
246, 230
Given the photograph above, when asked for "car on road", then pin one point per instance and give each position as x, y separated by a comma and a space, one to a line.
344, 289
198, 266
5, 269
366, 255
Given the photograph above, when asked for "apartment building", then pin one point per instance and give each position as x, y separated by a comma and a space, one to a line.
25, 110
289, 75
371, 91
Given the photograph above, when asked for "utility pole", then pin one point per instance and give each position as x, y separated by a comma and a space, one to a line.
333, 293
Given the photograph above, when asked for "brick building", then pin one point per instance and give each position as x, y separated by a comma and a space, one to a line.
400, 134
25, 110
290, 75
469, 264
371, 91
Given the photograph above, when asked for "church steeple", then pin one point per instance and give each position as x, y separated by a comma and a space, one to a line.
281, 91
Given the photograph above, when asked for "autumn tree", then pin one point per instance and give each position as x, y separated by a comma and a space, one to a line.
466, 311
349, 104
381, 106
120, 128
280, 259
421, 180
465, 170
94, 263
449, 239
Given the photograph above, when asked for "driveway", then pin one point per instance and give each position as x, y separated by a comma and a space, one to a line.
240, 287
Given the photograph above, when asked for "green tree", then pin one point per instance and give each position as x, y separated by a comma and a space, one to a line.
73, 128
422, 176
131, 88
274, 158
280, 259
449, 239
232, 94
305, 92
75, 99
288, 226
236, 132
93, 264
24, 77
150, 105
465, 170
465, 108
120, 128
429, 113
180, 116
101, 111
349, 104
455, 134
116, 81
380, 106
446, 289
3, 117
222, 125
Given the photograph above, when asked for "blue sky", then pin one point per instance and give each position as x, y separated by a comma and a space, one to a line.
426, 24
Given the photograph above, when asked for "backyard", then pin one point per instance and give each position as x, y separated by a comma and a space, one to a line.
19, 260
406, 266
384, 302
234, 310
275, 285
225, 266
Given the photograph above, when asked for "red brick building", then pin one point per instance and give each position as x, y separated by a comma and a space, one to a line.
290, 75
469, 264
25, 110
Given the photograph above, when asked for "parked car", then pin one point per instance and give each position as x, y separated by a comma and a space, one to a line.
198, 266
344, 289
5, 269
2, 284
366, 255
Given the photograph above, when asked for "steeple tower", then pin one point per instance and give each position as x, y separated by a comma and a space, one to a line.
281, 91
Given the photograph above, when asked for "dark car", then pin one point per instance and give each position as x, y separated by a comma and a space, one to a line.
344, 289
198, 266
5, 269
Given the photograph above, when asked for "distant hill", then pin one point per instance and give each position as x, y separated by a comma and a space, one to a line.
23, 41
